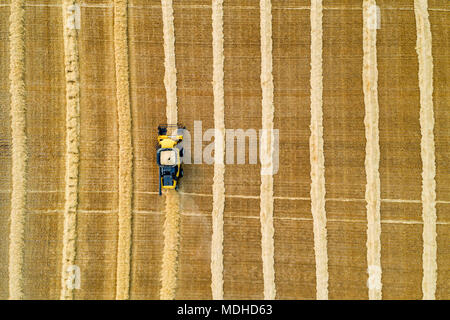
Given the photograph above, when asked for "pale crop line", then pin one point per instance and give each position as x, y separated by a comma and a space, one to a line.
317, 158
170, 75
107, 6
19, 150
219, 153
283, 198
386, 221
72, 77
267, 148
169, 268
147, 212
125, 149
372, 161
424, 52
400, 201
56, 5
171, 234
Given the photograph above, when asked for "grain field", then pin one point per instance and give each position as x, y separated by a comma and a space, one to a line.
319, 130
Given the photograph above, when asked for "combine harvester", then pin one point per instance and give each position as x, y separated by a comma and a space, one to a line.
169, 156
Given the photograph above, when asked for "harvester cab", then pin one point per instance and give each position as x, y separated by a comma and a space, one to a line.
169, 156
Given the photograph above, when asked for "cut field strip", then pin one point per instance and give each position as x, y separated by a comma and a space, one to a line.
317, 158
219, 153
196, 214
19, 149
208, 7
170, 74
72, 147
266, 214
424, 53
171, 232
125, 149
372, 160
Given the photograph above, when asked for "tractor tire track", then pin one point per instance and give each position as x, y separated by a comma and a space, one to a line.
72, 147
372, 161
219, 155
317, 154
19, 149
424, 53
125, 149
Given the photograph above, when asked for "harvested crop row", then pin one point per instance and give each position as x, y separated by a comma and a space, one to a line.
316, 153
219, 153
266, 214
19, 152
72, 146
372, 161
171, 233
125, 148
170, 75
424, 53
171, 230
